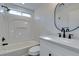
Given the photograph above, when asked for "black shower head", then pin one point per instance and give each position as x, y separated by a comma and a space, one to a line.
6, 7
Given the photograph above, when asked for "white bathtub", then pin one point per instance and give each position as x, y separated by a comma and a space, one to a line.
18, 49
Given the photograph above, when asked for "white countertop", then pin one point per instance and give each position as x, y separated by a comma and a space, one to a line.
64, 41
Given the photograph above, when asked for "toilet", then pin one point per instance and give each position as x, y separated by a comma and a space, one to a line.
34, 51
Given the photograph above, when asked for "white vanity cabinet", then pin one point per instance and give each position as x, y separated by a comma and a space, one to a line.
54, 49
45, 51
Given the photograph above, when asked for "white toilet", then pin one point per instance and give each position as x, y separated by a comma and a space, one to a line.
34, 51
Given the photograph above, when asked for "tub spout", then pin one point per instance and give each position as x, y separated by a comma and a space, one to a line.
4, 44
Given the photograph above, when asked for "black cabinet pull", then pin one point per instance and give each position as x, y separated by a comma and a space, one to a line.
50, 54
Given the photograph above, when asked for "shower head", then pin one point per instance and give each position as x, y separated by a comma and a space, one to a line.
5, 7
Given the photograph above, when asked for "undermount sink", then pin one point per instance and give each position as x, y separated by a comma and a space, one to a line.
59, 46
64, 41
69, 40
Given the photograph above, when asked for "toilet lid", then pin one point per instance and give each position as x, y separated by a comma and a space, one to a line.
35, 49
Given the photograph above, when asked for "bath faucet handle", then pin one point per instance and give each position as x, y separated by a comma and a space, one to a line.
3, 39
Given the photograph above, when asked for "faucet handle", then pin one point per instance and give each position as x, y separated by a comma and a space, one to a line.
59, 34
3, 39
70, 36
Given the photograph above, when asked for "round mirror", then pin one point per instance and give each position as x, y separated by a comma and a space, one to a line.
66, 15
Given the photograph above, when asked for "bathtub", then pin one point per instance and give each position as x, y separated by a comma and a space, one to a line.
19, 49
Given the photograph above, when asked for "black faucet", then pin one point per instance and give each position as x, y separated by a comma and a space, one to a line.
63, 30
3, 39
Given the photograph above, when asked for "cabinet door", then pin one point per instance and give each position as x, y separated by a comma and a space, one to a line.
45, 49
64, 50
56, 49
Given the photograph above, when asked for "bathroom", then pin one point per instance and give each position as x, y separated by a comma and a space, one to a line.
39, 29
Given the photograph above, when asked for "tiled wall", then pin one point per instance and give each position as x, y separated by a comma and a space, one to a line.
19, 28
15, 28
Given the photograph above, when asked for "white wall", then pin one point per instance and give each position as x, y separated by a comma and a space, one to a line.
43, 23
44, 18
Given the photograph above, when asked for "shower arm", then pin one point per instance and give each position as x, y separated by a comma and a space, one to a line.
5, 7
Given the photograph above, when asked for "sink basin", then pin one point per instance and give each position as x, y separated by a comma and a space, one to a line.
64, 41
